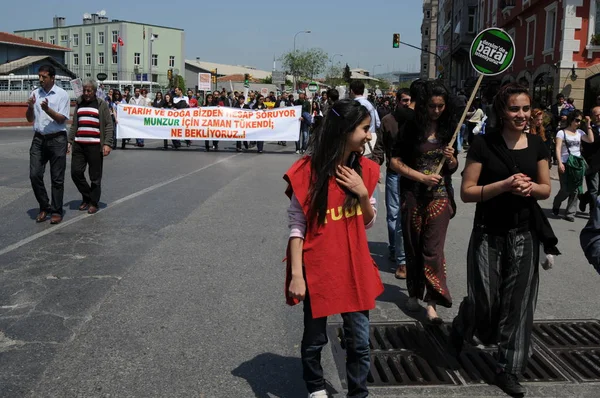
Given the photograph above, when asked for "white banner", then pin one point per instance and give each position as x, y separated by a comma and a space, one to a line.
209, 123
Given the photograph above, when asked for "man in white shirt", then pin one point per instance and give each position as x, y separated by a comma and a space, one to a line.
357, 91
48, 107
141, 100
180, 101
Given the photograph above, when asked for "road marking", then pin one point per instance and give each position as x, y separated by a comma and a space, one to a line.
134, 195
14, 143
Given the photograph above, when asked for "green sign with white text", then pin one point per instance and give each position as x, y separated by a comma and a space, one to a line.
492, 52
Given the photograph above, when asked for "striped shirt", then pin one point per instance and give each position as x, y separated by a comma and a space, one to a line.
88, 123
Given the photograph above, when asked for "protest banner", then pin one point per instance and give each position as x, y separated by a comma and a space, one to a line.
77, 87
209, 123
492, 52
204, 83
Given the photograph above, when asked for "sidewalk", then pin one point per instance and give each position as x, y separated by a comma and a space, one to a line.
14, 122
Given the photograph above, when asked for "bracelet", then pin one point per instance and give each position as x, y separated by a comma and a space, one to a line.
482, 193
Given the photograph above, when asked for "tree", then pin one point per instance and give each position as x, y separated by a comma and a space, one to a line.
333, 76
305, 64
181, 83
267, 80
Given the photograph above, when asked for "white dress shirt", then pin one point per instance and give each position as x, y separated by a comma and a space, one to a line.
58, 101
375, 122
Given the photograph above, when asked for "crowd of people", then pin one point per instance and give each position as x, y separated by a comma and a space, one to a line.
333, 201
312, 110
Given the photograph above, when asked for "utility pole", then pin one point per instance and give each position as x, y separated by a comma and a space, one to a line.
451, 43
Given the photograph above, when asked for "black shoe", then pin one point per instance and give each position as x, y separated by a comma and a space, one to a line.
509, 383
555, 211
583, 201
570, 218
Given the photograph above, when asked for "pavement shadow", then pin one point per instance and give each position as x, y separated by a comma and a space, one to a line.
379, 252
395, 294
273, 375
74, 205
32, 213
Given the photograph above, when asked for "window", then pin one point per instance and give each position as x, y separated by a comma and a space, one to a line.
52, 40
596, 15
171, 61
136, 58
471, 27
75, 39
75, 59
64, 38
115, 76
88, 58
426, 32
115, 36
428, 14
426, 48
550, 37
88, 75
154, 59
531, 22
424, 67
41, 38
115, 59
525, 3
16, 85
3, 85
100, 58
88, 39
100, 37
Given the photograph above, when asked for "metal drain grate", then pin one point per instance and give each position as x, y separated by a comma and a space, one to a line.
401, 355
574, 344
477, 365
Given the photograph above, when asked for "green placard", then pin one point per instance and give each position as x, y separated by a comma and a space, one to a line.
492, 52
313, 86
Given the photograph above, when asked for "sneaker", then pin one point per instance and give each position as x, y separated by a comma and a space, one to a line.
297, 152
316, 394
570, 218
555, 211
509, 383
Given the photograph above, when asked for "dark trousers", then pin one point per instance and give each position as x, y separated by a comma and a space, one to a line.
260, 145
502, 280
238, 144
54, 151
85, 155
207, 144
356, 338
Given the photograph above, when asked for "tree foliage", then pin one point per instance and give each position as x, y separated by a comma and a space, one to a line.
305, 64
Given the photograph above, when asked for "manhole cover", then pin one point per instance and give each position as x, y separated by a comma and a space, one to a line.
574, 344
478, 364
402, 354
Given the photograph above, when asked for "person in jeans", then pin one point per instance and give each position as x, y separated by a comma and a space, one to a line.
329, 265
383, 150
591, 153
568, 142
90, 140
48, 107
305, 122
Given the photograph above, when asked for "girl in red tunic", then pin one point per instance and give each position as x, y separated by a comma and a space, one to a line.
329, 265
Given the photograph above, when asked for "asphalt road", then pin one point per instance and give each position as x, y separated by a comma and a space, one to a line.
175, 287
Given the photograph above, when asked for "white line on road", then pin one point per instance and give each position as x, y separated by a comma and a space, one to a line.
15, 143
134, 195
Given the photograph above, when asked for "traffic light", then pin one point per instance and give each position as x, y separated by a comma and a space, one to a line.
246, 80
214, 79
396, 42
170, 74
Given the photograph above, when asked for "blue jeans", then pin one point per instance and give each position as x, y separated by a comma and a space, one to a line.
302, 143
356, 339
393, 217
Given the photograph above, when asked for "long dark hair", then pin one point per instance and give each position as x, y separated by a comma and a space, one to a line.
326, 151
496, 121
414, 133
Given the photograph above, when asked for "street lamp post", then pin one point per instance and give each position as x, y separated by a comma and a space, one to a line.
294, 71
335, 55
375, 66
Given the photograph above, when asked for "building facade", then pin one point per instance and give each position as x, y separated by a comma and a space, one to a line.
557, 46
458, 24
429, 29
125, 51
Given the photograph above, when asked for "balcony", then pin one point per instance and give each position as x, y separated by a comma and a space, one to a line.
507, 5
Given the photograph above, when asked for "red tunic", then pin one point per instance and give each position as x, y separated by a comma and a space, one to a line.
340, 273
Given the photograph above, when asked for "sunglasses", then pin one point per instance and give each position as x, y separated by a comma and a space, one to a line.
578, 120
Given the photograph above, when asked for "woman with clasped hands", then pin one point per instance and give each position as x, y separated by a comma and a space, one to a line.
505, 173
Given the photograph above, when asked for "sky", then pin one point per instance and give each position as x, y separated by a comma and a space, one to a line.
254, 33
